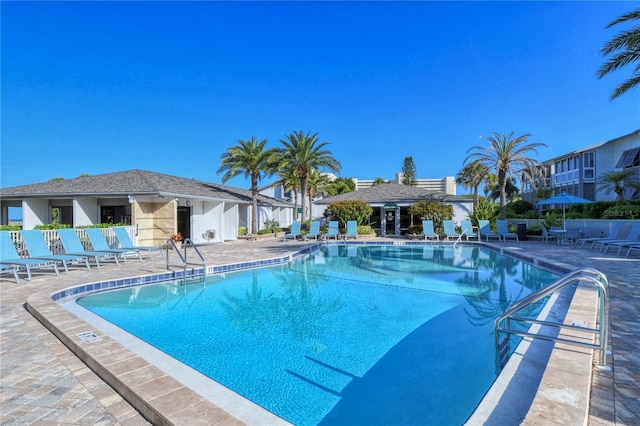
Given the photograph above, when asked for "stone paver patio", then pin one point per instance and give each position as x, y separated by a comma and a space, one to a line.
43, 382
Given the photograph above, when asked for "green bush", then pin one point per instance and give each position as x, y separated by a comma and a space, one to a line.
49, 226
10, 227
242, 230
344, 211
365, 230
432, 210
520, 207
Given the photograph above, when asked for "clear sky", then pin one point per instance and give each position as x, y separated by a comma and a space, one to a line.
99, 87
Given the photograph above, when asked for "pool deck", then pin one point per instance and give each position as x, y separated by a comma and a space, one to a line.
43, 382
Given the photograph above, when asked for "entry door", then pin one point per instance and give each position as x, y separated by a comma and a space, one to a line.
390, 222
184, 221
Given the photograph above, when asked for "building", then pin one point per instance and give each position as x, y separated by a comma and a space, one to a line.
576, 172
446, 184
158, 205
390, 202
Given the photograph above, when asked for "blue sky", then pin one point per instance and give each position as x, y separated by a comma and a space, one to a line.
98, 87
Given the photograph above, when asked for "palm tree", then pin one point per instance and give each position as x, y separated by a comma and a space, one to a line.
254, 161
303, 153
471, 177
340, 186
618, 181
627, 46
317, 183
379, 181
290, 181
508, 157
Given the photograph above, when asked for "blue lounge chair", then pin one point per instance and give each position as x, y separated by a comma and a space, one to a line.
427, 230
352, 230
484, 227
503, 229
450, 230
72, 245
632, 238
334, 230
125, 242
9, 256
314, 231
613, 234
99, 243
295, 231
10, 268
39, 249
467, 230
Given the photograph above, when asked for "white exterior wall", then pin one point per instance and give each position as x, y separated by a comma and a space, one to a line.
85, 211
230, 222
461, 210
35, 212
206, 216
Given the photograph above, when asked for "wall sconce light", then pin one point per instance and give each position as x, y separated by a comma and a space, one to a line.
131, 199
188, 203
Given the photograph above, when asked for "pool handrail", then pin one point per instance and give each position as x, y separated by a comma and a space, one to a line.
587, 274
183, 257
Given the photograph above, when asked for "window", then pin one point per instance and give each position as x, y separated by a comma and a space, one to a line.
629, 158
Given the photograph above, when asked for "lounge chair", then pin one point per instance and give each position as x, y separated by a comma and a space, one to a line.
450, 230
427, 230
334, 230
125, 242
467, 230
73, 246
295, 232
503, 229
633, 238
314, 231
352, 229
613, 234
99, 243
9, 257
39, 249
484, 227
633, 247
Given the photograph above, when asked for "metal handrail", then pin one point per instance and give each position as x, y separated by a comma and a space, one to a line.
587, 274
185, 263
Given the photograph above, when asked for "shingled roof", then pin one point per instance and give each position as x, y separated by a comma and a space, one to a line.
134, 182
393, 193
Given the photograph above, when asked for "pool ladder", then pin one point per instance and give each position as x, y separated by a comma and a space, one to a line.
583, 274
184, 263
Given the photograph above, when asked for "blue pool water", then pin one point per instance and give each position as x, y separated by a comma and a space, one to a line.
357, 334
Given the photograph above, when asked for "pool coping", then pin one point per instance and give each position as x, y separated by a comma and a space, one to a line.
164, 400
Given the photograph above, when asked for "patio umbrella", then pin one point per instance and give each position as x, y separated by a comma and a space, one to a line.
564, 199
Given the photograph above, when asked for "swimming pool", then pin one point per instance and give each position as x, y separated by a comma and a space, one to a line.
347, 335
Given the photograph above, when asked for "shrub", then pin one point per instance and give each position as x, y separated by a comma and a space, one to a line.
520, 207
432, 210
242, 230
365, 230
52, 226
10, 227
344, 211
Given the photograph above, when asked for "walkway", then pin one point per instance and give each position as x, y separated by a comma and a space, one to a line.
43, 382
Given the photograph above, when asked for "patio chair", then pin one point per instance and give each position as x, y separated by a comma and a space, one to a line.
622, 237
125, 242
10, 268
467, 230
427, 230
450, 230
72, 245
99, 243
314, 231
352, 230
9, 257
503, 229
295, 232
484, 228
546, 236
333, 231
39, 249
613, 234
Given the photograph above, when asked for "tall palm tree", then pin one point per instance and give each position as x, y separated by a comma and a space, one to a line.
340, 186
303, 152
471, 177
627, 46
508, 156
251, 159
618, 181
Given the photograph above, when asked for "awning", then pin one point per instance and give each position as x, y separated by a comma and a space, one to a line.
390, 206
